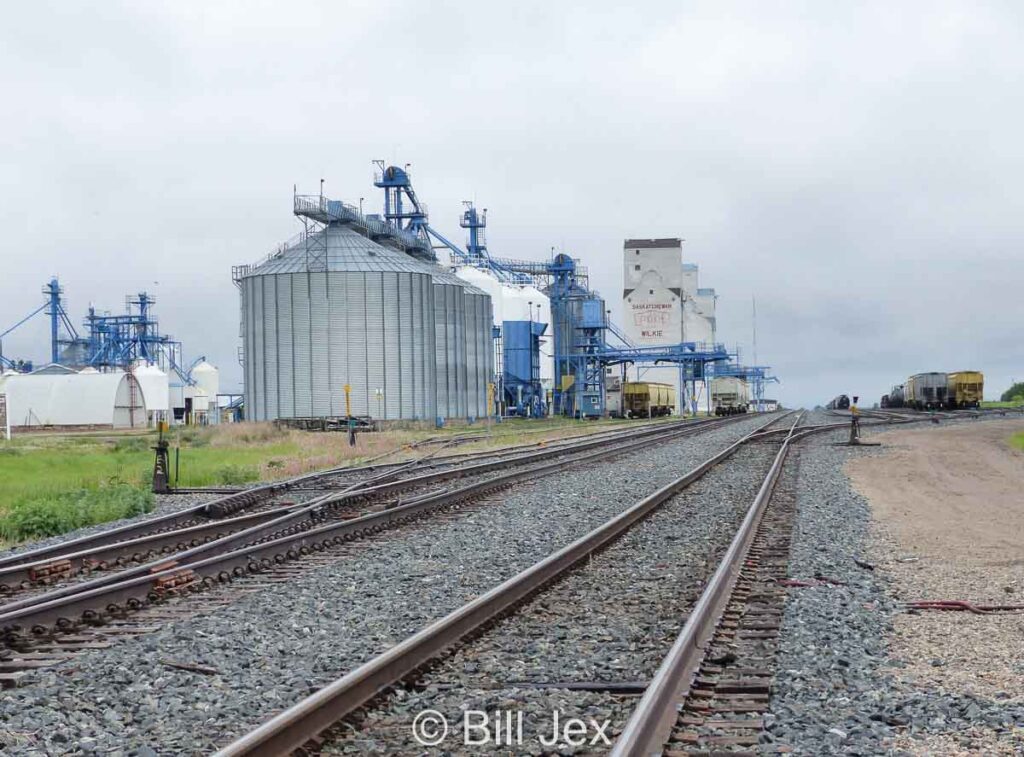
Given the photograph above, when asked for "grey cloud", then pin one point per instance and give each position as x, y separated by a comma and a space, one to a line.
856, 167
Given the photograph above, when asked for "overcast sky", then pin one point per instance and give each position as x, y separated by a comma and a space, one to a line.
858, 167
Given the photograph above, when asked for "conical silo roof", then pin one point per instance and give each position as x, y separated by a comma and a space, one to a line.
346, 250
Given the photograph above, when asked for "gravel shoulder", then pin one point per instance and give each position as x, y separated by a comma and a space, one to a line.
845, 684
949, 524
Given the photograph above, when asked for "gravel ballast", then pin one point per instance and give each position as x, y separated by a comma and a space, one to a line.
836, 690
276, 645
612, 621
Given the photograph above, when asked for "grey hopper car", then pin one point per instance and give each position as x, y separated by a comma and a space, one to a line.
927, 391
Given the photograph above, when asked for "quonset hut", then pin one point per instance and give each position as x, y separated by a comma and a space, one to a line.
74, 401
411, 340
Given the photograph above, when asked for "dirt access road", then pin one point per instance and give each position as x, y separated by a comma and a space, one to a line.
948, 505
957, 491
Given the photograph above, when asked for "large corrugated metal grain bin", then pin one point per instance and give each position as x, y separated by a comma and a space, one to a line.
364, 322
464, 356
410, 339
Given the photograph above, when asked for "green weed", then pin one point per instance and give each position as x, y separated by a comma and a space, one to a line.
233, 475
66, 511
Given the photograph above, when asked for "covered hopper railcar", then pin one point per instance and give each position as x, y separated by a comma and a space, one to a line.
730, 395
965, 389
645, 399
927, 391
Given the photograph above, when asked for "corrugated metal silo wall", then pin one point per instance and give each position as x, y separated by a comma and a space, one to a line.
451, 349
340, 339
487, 346
302, 377
398, 307
244, 302
308, 334
480, 353
472, 355
431, 341
265, 346
460, 351
320, 345
285, 405
443, 351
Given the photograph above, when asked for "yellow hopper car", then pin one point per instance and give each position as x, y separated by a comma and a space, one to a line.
966, 388
644, 399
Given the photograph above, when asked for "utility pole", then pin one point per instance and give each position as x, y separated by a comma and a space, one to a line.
753, 308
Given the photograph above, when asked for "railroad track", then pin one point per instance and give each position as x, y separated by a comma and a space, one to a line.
712, 690
68, 613
295, 727
33, 572
755, 558
262, 495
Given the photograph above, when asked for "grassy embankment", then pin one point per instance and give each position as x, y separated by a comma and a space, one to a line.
996, 404
53, 483
1017, 440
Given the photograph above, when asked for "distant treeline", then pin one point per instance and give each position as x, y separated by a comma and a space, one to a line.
1014, 393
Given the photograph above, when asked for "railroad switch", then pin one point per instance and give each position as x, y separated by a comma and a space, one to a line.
174, 583
161, 465
50, 570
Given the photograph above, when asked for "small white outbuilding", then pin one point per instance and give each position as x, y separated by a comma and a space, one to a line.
78, 400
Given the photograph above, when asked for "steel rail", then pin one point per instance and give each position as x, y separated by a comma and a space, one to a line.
243, 498
651, 723
308, 514
99, 558
650, 726
292, 728
235, 500
224, 506
107, 552
130, 589
97, 555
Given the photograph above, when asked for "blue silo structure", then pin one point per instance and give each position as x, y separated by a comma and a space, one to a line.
521, 367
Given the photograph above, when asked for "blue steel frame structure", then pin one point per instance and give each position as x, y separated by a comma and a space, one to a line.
54, 308
112, 341
580, 326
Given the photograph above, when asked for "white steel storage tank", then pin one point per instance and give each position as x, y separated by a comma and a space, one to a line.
542, 314
486, 282
511, 302
207, 377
